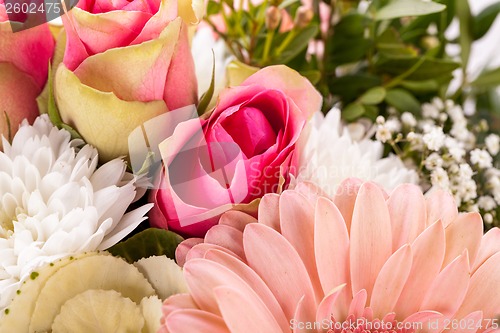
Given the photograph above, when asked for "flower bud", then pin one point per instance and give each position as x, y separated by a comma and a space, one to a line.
273, 17
303, 17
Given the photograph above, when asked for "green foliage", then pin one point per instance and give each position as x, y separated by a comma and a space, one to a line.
150, 242
391, 54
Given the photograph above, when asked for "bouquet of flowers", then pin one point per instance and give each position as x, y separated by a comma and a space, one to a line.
234, 166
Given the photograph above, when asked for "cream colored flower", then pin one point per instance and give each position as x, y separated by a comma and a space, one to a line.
55, 202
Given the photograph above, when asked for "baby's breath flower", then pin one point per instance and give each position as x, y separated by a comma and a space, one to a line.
481, 158
492, 142
434, 138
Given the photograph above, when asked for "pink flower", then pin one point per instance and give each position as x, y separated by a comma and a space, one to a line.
400, 259
235, 156
125, 62
24, 61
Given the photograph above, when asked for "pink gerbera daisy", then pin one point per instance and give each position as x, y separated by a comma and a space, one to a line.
363, 261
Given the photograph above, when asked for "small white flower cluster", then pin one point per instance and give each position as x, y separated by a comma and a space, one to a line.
445, 149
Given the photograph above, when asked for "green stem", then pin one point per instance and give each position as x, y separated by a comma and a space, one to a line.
289, 38
267, 46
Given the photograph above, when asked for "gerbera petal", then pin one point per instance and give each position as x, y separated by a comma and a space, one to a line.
428, 254
371, 238
227, 237
288, 291
441, 205
269, 211
490, 244
463, 233
345, 198
394, 273
297, 226
198, 322
483, 282
183, 248
331, 248
407, 208
233, 301
253, 280
448, 290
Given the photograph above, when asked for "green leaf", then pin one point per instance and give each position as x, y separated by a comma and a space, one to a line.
312, 75
150, 242
286, 3
353, 111
403, 8
207, 96
421, 86
348, 43
466, 35
487, 79
213, 7
403, 101
349, 87
53, 112
373, 96
484, 20
299, 41
428, 69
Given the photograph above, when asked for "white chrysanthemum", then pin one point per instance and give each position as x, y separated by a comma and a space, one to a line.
55, 202
330, 155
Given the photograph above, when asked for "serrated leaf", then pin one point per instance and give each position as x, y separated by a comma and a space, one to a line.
353, 111
150, 242
487, 79
404, 8
373, 96
403, 101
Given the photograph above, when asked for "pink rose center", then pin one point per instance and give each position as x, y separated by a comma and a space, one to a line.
104, 6
251, 130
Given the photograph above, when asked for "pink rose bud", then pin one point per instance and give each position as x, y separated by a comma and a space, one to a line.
125, 62
273, 17
24, 62
303, 16
244, 150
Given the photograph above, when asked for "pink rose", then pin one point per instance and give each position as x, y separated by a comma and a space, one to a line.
236, 155
24, 61
125, 62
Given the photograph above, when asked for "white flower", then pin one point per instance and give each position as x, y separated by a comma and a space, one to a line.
486, 203
430, 111
330, 155
55, 202
383, 134
439, 178
408, 119
488, 218
481, 158
433, 161
492, 142
434, 138
393, 125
